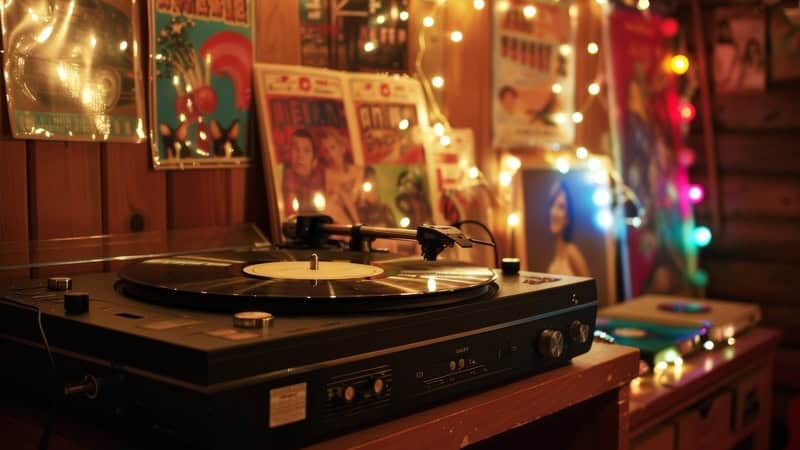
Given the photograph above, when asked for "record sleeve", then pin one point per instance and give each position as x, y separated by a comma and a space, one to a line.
201, 83
72, 70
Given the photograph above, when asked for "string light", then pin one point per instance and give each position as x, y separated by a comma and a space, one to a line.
445, 140
565, 50
403, 15
513, 220
562, 165
529, 12
669, 27
405, 222
594, 89
473, 173
437, 81
701, 236
592, 48
577, 117
696, 193
686, 157
367, 186
708, 345
642, 5
513, 163
604, 219
594, 164
428, 22
479, 4
438, 129
505, 178
581, 152
687, 111
601, 197
404, 124
380, 20
679, 64
370, 46
456, 36
557, 88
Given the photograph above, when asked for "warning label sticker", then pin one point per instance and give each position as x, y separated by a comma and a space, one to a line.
287, 404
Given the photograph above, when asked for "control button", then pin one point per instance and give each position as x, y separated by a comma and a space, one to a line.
551, 343
59, 283
252, 320
461, 363
510, 266
349, 394
378, 386
452, 365
579, 332
76, 303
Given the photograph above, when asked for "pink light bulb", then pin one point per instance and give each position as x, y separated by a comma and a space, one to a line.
696, 193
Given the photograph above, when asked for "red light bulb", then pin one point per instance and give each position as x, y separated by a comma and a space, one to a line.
687, 111
669, 27
686, 157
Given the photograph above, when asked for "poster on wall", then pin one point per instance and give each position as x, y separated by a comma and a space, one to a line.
784, 40
355, 35
201, 90
658, 256
562, 233
534, 74
71, 70
740, 50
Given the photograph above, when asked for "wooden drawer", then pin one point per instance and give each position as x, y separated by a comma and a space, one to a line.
706, 423
752, 397
662, 438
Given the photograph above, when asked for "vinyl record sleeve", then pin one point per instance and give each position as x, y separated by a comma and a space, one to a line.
72, 70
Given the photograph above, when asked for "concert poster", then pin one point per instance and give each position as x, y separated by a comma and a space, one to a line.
71, 70
309, 158
355, 35
740, 50
534, 74
389, 119
658, 256
201, 83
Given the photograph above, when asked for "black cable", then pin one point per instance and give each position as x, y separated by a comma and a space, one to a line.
488, 232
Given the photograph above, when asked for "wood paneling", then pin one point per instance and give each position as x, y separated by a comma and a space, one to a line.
756, 239
775, 109
198, 198
757, 195
278, 31
13, 201
746, 280
131, 188
756, 152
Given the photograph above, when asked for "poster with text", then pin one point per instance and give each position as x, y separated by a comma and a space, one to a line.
355, 35
658, 256
201, 87
740, 50
562, 235
390, 120
72, 70
534, 74
309, 158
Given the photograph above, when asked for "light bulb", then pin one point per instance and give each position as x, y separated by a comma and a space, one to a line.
405, 222
604, 219
565, 49
479, 4
577, 117
581, 152
428, 21
367, 186
513, 163
696, 193
592, 48
702, 236
642, 5
513, 220
505, 178
319, 201
404, 124
380, 20
593, 89
601, 197
679, 64
438, 129
687, 111
456, 36
562, 165
445, 140
556, 88
473, 173
370, 46
403, 15
529, 12
437, 81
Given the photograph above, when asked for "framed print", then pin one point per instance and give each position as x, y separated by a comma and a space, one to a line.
533, 63
562, 230
72, 70
740, 50
784, 41
201, 83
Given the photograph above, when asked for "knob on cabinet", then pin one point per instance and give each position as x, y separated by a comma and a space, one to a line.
551, 343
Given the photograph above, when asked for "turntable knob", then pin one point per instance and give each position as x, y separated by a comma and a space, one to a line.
349, 394
252, 319
551, 343
59, 283
76, 303
579, 332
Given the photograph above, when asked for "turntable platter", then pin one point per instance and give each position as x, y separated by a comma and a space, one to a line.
282, 280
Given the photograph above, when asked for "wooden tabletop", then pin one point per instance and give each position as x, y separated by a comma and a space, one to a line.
478, 417
654, 397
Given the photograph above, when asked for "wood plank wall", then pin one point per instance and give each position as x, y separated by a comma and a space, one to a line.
755, 256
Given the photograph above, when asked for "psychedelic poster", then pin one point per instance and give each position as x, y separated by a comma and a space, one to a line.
534, 74
658, 256
355, 35
740, 50
310, 158
71, 70
390, 118
201, 89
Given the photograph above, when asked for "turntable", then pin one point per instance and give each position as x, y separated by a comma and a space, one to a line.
277, 346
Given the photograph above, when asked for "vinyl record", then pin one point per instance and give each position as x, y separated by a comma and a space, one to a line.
284, 280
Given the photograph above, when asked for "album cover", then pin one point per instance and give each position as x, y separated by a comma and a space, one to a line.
784, 40
308, 151
658, 256
390, 119
657, 342
562, 234
355, 35
534, 74
201, 89
740, 51
71, 70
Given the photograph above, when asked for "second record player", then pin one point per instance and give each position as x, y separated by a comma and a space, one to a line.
274, 347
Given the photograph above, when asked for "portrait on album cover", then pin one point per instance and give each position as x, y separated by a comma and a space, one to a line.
560, 230
740, 50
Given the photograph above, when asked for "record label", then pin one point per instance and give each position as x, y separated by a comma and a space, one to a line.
300, 270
